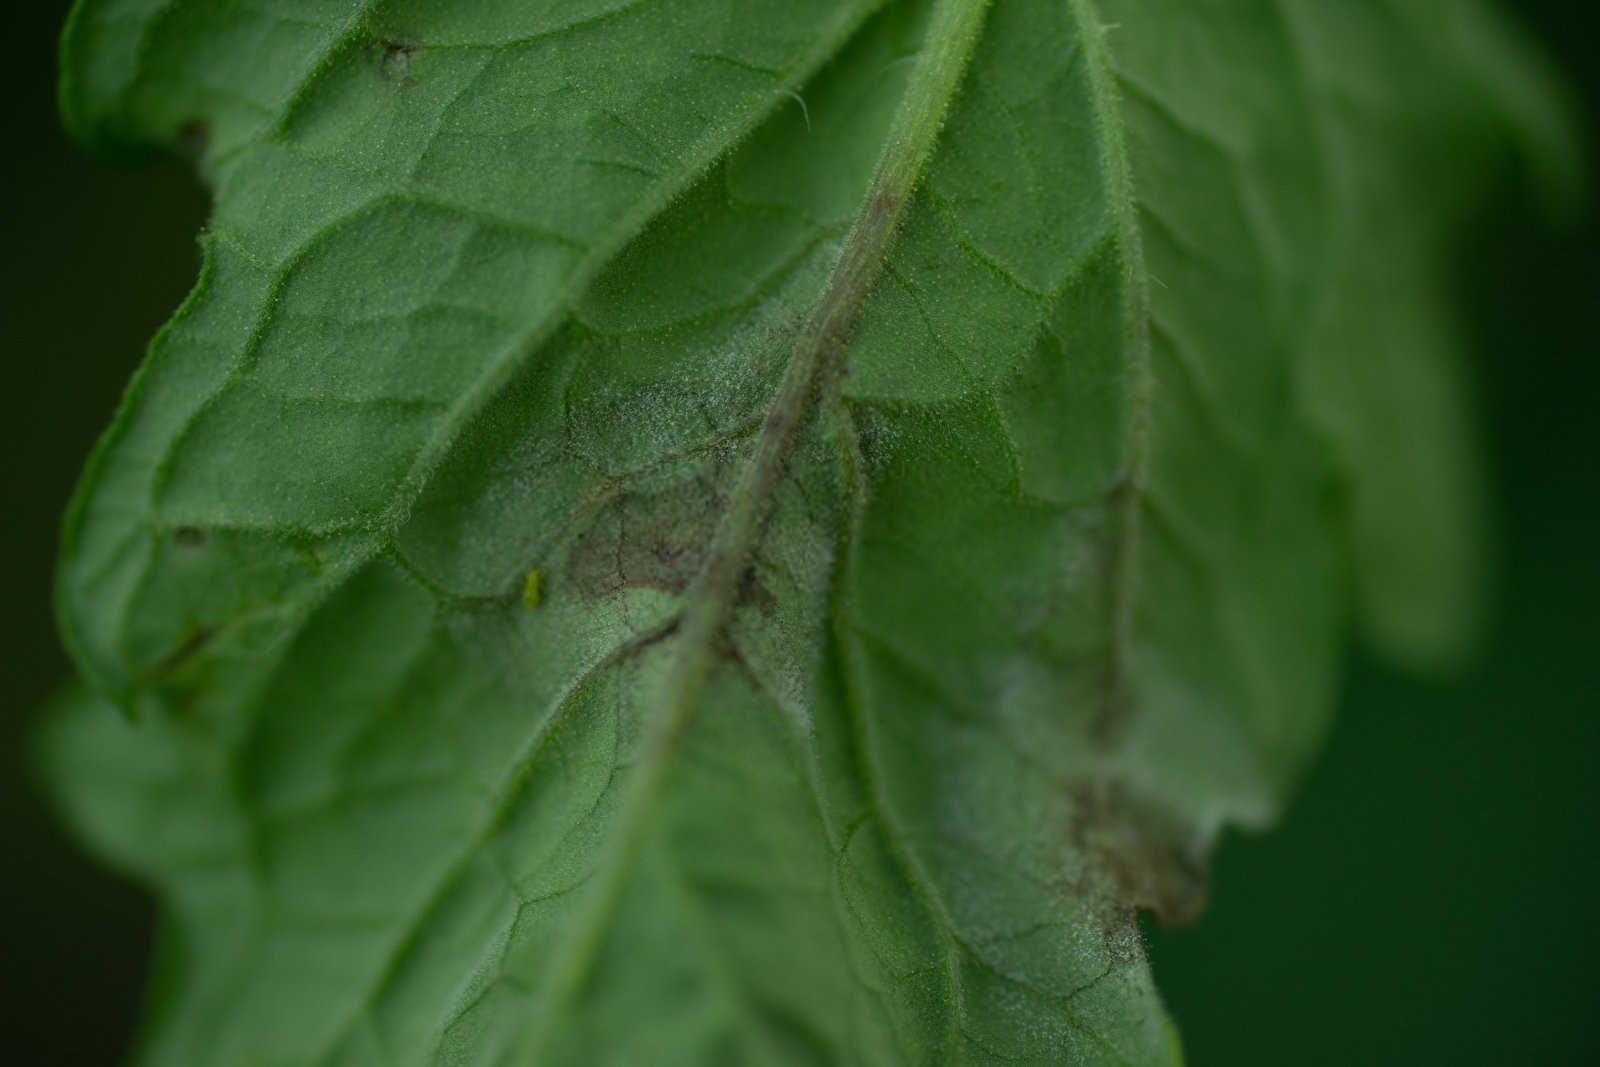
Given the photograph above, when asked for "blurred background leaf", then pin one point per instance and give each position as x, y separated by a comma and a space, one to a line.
1428, 900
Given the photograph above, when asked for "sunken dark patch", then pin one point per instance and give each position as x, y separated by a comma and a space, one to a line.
189, 538
658, 539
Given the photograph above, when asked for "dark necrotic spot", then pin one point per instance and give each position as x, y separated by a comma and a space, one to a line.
753, 592
189, 538
654, 538
394, 58
1157, 861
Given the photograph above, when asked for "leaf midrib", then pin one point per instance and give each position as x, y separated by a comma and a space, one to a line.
950, 39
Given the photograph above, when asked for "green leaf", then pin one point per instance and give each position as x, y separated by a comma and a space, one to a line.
687, 531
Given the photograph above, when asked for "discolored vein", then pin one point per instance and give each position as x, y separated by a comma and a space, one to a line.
1136, 325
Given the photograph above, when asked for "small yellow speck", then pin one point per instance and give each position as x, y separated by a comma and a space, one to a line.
531, 591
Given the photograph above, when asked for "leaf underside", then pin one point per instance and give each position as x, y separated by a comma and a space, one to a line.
698, 531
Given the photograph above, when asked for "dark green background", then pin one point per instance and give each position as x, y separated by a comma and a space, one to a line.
1430, 900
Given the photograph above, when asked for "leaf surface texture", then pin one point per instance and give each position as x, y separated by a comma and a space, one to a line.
699, 531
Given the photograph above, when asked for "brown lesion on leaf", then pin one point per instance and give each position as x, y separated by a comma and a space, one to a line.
393, 56
643, 538
1154, 860
753, 592
189, 538
883, 207
1116, 702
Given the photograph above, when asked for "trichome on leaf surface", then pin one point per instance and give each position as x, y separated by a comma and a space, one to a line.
744, 531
